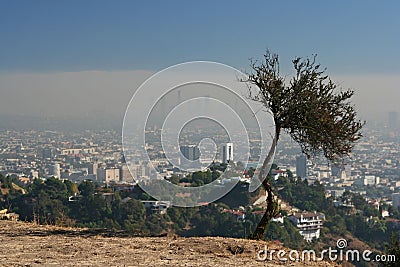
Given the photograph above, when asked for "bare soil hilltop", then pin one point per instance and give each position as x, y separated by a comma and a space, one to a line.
26, 244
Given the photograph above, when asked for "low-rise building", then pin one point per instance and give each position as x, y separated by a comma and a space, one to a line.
309, 224
157, 206
5, 215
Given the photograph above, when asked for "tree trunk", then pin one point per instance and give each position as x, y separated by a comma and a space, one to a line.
272, 207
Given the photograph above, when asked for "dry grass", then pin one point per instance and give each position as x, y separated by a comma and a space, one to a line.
26, 244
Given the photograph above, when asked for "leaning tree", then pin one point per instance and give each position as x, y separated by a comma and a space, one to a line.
309, 108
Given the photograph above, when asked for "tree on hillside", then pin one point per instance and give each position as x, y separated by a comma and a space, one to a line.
393, 250
309, 108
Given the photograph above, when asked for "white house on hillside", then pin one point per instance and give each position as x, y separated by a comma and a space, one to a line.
309, 224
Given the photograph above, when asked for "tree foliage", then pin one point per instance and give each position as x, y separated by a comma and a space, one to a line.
309, 108
393, 249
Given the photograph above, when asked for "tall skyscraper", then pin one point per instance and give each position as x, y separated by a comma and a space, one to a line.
393, 122
191, 152
92, 168
227, 153
47, 153
301, 166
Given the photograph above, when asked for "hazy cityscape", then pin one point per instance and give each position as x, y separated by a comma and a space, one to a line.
94, 155
212, 133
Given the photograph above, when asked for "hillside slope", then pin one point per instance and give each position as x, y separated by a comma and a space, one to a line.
26, 244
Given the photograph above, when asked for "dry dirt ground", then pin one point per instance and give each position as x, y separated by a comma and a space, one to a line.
26, 244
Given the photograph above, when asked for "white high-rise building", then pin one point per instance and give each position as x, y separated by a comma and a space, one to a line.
227, 152
55, 170
108, 175
309, 224
371, 180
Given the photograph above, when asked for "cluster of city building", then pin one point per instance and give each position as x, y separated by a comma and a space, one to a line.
83, 156
373, 169
78, 156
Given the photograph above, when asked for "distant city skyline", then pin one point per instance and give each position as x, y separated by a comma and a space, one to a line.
86, 97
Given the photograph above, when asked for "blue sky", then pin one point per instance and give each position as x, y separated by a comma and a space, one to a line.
51, 36
85, 58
